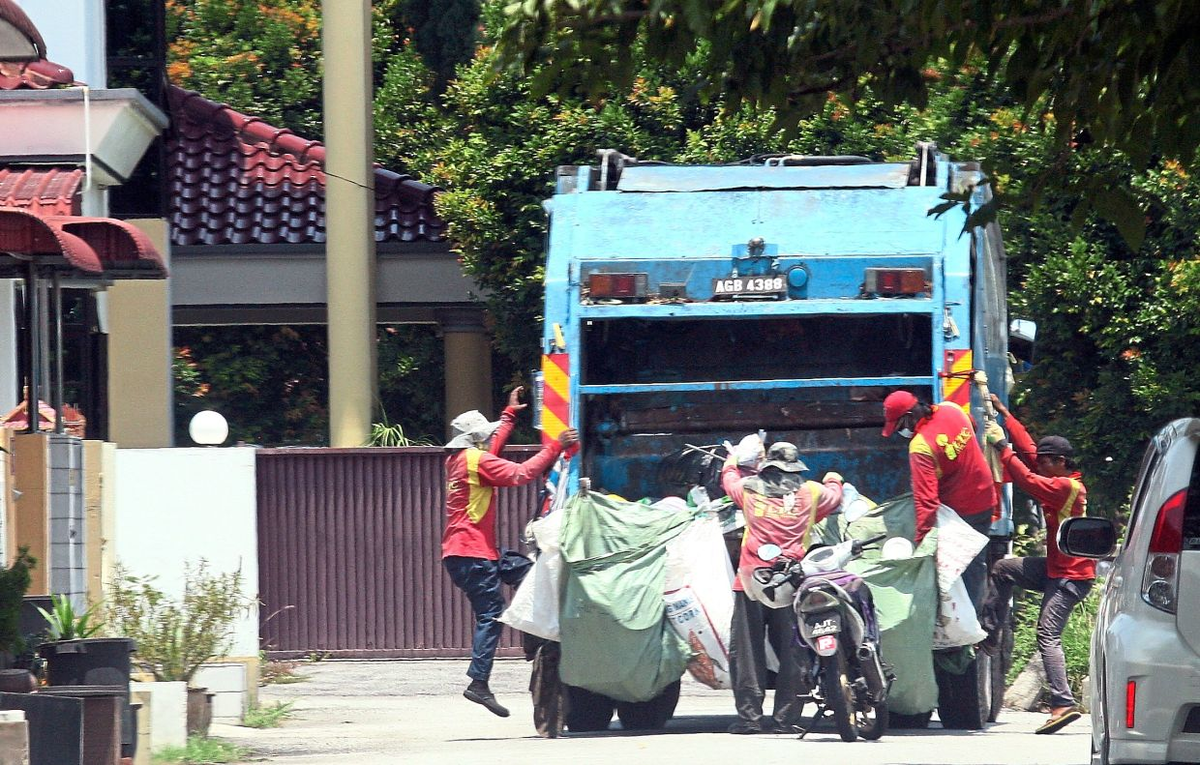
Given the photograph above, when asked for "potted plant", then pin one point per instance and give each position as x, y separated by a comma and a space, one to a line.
14, 582
73, 653
175, 636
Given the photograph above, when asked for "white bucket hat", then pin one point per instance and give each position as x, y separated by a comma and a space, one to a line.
469, 429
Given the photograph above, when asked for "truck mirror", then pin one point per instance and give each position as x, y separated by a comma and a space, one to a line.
1023, 329
1087, 537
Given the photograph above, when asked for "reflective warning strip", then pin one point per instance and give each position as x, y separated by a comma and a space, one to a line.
556, 395
956, 388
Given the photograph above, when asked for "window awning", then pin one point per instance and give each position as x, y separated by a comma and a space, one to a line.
101, 248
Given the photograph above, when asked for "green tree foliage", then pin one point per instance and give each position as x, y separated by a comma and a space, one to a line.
443, 32
1117, 324
1117, 72
262, 57
271, 383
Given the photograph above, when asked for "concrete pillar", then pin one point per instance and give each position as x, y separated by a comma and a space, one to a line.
468, 350
140, 394
10, 386
14, 738
349, 220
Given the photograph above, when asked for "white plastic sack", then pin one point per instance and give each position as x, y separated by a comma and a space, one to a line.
958, 544
535, 605
698, 597
956, 623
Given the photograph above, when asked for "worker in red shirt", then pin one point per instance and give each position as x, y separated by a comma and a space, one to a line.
1064, 581
948, 468
780, 509
469, 551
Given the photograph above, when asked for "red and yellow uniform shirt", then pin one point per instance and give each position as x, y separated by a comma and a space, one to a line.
1060, 497
948, 468
471, 476
785, 521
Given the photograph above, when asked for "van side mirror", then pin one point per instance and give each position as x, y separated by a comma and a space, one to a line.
1087, 537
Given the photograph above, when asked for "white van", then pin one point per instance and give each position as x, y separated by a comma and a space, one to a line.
1145, 661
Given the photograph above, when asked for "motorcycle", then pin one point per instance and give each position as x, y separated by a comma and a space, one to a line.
836, 618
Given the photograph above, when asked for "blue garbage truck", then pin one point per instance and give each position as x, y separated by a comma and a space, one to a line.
687, 305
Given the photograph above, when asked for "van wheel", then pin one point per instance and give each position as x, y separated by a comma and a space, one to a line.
587, 712
962, 699
652, 714
1001, 663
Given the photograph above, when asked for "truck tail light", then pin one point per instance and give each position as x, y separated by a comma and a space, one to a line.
617, 285
895, 281
1160, 582
1130, 702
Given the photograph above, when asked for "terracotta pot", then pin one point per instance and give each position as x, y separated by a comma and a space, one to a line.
17, 681
199, 711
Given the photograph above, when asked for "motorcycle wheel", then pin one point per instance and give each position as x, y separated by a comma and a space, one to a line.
839, 696
872, 721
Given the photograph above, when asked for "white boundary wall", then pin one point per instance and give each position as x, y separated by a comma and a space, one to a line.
176, 506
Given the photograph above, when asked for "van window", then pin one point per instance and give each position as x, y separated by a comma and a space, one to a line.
1141, 489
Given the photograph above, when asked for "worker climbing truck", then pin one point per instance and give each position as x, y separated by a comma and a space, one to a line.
690, 305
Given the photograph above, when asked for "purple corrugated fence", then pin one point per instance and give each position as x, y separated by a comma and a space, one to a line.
349, 547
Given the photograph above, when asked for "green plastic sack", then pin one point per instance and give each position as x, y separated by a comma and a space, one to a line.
615, 637
905, 594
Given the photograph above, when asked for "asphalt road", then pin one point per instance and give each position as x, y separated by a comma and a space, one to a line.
383, 712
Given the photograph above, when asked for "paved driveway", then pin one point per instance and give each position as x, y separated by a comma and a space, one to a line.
383, 712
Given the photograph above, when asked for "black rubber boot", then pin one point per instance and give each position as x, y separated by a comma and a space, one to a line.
479, 692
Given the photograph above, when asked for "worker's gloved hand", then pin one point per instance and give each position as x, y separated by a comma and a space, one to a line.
749, 451
832, 476
995, 436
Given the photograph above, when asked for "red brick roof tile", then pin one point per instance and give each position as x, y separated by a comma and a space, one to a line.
234, 179
44, 190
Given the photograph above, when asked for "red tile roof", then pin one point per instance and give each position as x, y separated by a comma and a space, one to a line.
34, 75
32, 71
45, 190
98, 247
11, 13
233, 179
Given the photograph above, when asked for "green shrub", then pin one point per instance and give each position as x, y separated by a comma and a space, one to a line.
174, 637
14, 582
64, 624
201, 751
270, 716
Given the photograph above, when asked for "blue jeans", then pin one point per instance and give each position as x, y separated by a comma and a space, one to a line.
479, 579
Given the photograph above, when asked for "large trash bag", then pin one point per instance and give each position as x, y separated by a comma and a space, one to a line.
615, 638
905, 593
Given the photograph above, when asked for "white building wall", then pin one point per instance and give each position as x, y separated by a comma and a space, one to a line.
74, 35
180, 505
9, 386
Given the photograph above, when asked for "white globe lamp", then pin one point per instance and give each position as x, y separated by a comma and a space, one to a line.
208, 428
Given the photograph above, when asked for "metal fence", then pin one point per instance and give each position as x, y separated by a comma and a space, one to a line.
349, 546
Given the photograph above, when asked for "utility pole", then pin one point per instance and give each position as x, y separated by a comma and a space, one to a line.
349, 219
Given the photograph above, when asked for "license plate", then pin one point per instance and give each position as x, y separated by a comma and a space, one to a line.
827, 642
749, 285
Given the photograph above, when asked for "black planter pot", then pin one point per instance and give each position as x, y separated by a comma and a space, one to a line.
90, 661
95, 662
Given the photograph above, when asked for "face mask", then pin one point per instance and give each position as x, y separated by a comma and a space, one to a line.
905, 433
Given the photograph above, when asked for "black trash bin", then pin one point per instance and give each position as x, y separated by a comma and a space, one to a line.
94, 662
